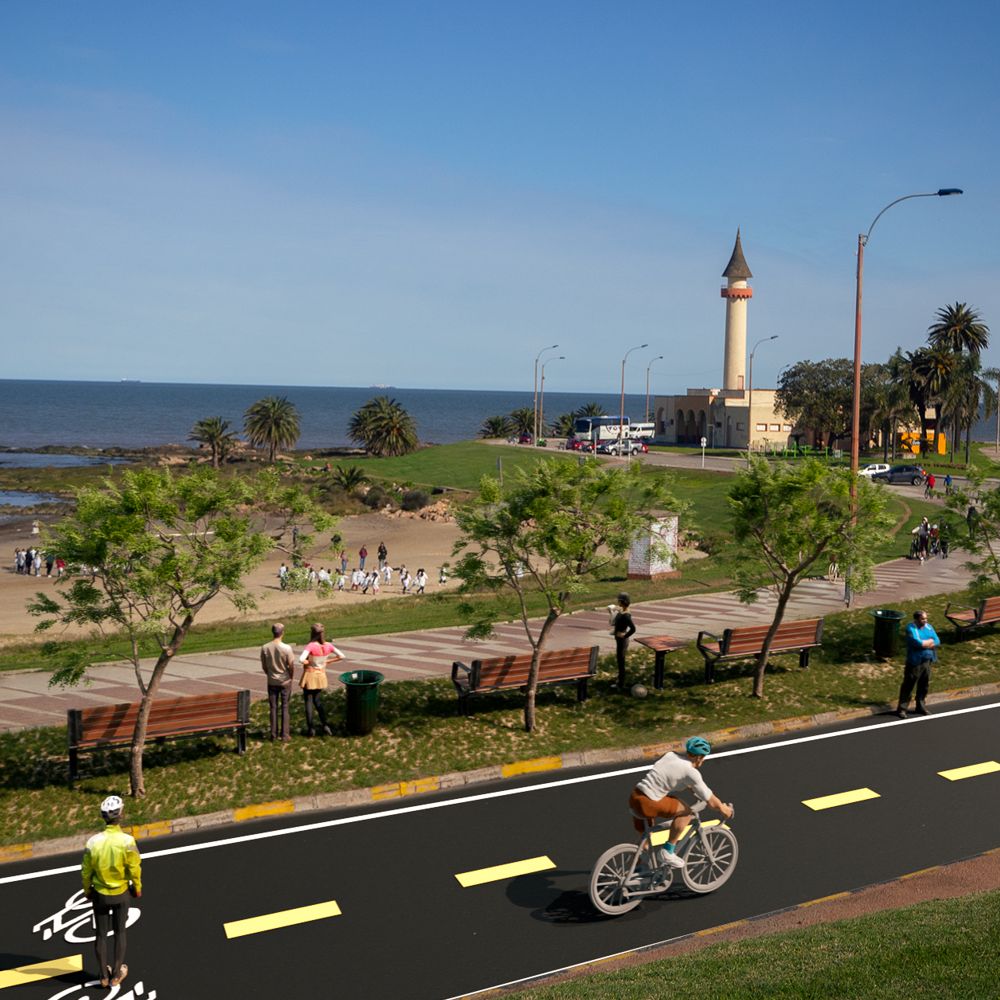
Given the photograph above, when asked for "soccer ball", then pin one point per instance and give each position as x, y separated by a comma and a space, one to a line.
639, 691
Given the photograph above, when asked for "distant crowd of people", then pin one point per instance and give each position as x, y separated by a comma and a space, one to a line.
31, 562
365, 581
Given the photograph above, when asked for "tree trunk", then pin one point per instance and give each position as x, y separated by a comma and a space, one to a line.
779, 613
536, 656
136, 780
968, 441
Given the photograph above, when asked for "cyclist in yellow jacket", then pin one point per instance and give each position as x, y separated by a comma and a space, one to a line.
112, 872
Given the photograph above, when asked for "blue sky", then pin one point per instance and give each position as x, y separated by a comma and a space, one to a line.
424, 195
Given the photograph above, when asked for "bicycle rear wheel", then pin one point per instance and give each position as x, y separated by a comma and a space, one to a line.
710, 864
607, 882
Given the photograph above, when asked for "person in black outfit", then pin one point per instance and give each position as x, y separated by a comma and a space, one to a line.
623, 628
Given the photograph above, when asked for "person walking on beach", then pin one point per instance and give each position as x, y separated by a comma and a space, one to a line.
622, 628
387, 574
314, 660
363, 555
282, 576
442, 576
421, 580
921, 641
277, 660
111, 872
383, 555
343, 561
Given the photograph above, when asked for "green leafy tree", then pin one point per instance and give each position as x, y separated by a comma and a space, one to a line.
158, 548
891, 402
523, 420
554, 527
272, 423
349, 478
959, 329
590, 410
788, 520
496, 427
215, 433
933, 368
382, 427
979, 535
563, 425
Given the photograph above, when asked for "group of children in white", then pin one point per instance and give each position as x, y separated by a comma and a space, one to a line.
367, 581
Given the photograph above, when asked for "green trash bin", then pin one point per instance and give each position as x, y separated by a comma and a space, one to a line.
886, 637
362, 699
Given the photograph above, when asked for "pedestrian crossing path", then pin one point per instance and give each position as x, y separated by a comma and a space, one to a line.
26, 699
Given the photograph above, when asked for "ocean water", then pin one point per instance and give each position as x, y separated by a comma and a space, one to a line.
34, 414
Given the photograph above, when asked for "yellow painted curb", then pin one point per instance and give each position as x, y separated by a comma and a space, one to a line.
399, 789
263, 809
920, 871
15, 852
530, 766
823, 899
157, 829
720, 928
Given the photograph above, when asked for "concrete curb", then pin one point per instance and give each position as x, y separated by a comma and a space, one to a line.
458, 779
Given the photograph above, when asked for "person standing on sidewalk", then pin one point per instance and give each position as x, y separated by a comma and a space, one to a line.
622, 628
314, 660
111, 872
277, 660
921, 641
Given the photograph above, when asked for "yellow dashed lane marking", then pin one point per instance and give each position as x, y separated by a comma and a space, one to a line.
41, 970
972, 771
263, 809
530, 766
841, 799
282, 918
498, 872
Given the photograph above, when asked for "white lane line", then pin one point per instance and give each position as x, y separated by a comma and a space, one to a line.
501, 793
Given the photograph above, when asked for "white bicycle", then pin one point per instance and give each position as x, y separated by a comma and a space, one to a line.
626, 874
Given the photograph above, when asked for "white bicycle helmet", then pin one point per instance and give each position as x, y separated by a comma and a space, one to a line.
112, 806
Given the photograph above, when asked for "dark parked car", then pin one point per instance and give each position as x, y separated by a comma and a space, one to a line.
902, 474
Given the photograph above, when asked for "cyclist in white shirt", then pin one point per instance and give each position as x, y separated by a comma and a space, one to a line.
655, 798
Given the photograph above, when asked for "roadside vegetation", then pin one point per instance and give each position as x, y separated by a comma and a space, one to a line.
420, 733
944, 948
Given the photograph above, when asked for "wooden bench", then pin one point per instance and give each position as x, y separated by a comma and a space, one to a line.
661, 645
112, 725
988, 613
557, 667
746, 642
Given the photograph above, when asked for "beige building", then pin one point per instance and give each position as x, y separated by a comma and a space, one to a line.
739, 413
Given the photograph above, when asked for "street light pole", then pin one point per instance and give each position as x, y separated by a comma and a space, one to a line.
621, 414
856, 402
541, 395
659, 357
763, 340
534, 425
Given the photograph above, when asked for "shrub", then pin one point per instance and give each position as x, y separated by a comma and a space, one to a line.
414, 500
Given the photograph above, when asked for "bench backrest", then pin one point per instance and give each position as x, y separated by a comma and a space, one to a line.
792, 635
512, 671
990, 608
168, 717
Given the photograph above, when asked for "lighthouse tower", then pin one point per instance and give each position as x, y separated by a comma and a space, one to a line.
736, 293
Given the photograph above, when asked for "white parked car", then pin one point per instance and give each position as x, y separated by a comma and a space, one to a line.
874, 469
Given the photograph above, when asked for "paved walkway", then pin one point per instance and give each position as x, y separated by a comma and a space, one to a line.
26, 700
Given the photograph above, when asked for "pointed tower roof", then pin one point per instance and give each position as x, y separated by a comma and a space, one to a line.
737, 269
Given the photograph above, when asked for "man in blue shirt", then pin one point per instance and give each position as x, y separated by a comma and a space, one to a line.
921, 641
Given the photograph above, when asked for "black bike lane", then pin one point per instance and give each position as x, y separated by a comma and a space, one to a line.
408, 928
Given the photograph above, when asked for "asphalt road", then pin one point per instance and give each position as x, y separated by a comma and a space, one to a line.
394, 921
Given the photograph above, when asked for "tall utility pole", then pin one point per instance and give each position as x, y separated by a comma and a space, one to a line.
763, 340
659, 357
621, 415
541, 394
534, 425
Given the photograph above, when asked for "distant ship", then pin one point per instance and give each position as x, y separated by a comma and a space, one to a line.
130, 380
380, 386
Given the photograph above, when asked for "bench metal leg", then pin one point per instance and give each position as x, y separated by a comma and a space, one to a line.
581, 689
73, 766
709, 671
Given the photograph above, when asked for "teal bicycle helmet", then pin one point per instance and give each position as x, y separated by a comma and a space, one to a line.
698, 746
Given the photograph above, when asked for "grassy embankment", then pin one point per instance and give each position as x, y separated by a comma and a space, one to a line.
459, 467
943, 948
420, 734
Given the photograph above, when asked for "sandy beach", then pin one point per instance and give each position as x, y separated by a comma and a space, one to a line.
411, 540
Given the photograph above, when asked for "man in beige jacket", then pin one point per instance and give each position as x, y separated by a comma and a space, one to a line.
277, 660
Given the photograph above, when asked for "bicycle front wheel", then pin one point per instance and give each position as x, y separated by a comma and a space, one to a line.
711, 862
608, 890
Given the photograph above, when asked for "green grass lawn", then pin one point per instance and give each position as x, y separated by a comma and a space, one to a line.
420, 734
941, 949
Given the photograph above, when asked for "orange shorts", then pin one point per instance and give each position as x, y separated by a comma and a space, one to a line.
646, 810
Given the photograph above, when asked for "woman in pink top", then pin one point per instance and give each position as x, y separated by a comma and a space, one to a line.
314, 659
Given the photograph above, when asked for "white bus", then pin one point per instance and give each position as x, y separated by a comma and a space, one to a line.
599, 430
642, 432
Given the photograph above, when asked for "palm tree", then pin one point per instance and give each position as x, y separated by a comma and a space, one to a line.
384, 428
563, 425
933, 368
214, 432
890, 400
349, 478
959, 328
272, 423
496, 427
590, 410
523, 419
